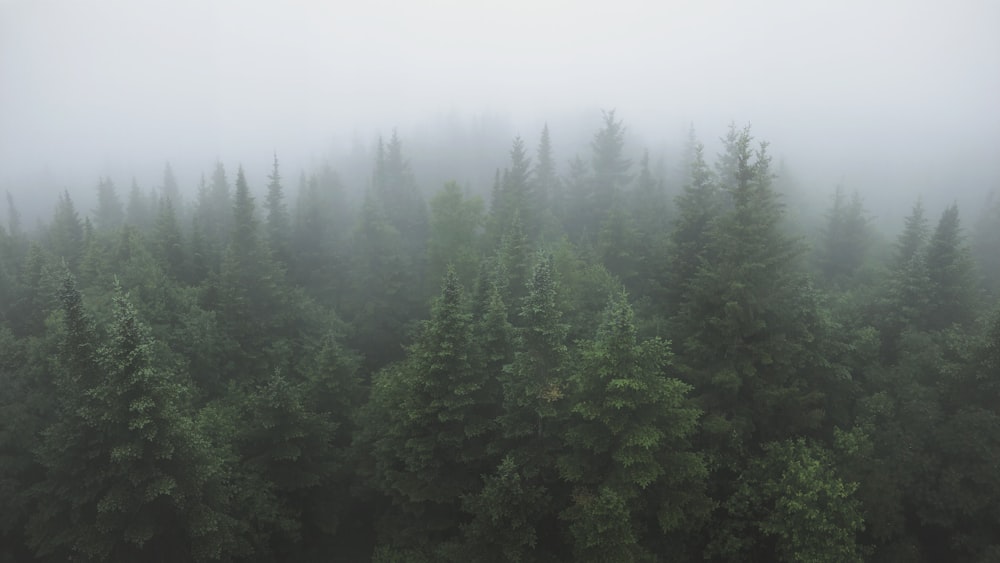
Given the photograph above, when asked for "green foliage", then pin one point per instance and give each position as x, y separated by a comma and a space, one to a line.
534, 420
793, 497
845, 238
628, 433
127, 476
455, 223
952, 286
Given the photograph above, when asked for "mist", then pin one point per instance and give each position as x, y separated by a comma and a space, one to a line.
895, 99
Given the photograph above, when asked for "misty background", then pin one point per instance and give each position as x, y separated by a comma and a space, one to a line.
894, 99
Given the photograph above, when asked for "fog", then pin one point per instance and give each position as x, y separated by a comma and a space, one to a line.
894, 98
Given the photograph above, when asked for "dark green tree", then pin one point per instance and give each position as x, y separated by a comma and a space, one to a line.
846, 238
431, 448
127, 477
953, 291
66, 236
278, 222
698, 207
628, 435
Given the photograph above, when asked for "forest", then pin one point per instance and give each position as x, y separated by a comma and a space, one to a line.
585, 361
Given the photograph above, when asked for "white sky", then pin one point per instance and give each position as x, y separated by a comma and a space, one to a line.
836, 85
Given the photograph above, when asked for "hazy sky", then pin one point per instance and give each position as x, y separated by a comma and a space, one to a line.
839, 87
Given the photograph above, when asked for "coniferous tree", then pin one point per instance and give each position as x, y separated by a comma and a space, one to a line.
952, 296
547, 195
985, 240
611, 168
127, 476
170, 189
432, 447
514, 195
169, 241
534, 383
109, 214
66, 233
383, 287
845, 238
278, 222
628, 433
698, 207
747, 325
455, 223
906, 293
253, 309
139, 210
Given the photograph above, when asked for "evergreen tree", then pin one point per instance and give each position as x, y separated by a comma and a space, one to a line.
170, 189
432, 447
455, 223
13, 218
253, 307
66, 234
698, 206
628, 433
383, 287
139, 211
547, 196
109, 214
611, 168
278, 223
514, 195
984, 242
169, 241
792, 506
749, 320
952, 298
126, 476
906, 293
845, 238
534, 383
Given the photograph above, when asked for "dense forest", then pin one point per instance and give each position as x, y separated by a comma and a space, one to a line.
587, 361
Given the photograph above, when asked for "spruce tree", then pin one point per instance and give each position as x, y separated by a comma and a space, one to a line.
127, 476
109, 214
278, 222
952, 297
629, 432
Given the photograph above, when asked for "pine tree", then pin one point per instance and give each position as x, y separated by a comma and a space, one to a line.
455, 223
906, 293
749, 319
793, 506
985, 240
534, 383
127, 476
66, 234
611, 168
170, 190
547, 195
168, 241
514, 195
698, 207
385, 293
109, 214
278, 223
253, 308
628, 433
139, 211
952, 285
845, 238
432, 447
